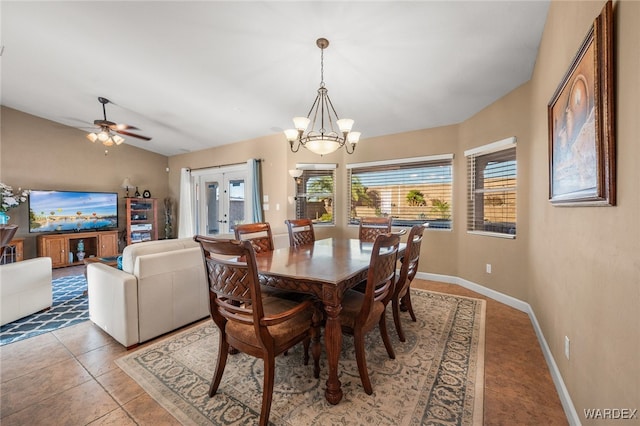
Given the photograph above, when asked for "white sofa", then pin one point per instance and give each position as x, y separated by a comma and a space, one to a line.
25, 288
162, 286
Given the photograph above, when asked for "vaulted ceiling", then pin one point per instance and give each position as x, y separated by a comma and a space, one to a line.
198, 74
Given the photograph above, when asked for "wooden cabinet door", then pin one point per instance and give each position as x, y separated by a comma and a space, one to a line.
108, 244
56, 249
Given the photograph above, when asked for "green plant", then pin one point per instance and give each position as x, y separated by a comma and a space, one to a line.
441, 207
416, 198
326, 217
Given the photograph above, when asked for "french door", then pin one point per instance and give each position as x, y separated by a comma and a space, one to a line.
222, 199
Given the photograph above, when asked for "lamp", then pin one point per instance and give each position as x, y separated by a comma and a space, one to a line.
106, 137
322, 141
126, 184
295, 174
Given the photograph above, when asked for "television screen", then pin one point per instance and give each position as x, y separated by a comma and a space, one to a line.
71, 211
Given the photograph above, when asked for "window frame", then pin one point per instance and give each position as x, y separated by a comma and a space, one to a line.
409, 163
485, 154
312, 170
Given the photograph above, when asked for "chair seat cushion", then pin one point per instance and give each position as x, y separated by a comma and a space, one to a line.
282, 332
351, 306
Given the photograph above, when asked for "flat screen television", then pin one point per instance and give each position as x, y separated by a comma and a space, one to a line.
72, 211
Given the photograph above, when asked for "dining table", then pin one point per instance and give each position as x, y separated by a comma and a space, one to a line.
326, 269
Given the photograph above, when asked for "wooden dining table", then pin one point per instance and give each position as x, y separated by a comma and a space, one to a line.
326, 269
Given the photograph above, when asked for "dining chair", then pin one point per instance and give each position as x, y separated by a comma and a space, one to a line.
300, 232
258, 233
362, 311
263, 327
7, 232
401, 298
371, 227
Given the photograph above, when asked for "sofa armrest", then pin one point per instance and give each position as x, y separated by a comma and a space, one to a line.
113, 302
25, 288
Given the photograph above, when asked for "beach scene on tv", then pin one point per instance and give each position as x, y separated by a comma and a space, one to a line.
65, 211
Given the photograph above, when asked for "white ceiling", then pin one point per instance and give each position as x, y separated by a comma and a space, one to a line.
198, 74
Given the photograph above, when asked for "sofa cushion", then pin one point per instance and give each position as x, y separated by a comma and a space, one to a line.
131, 252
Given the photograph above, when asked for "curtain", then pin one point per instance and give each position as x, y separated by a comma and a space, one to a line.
185, 224
256, 189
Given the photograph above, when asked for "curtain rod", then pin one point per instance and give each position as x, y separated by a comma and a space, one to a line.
223, 165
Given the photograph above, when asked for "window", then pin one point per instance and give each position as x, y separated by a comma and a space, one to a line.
315, 193
411, 190
491, 201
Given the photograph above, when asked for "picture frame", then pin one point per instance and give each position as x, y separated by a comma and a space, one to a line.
582, 163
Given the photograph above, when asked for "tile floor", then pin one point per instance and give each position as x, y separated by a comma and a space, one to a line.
69, 376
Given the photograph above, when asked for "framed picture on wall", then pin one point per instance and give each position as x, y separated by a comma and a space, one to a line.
581, 123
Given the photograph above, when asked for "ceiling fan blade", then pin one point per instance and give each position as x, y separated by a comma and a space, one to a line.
116, 127
122, 132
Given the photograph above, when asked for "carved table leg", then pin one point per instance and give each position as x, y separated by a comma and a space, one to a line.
333, 344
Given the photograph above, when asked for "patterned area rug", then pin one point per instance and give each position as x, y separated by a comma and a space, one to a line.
70, 306
437, 377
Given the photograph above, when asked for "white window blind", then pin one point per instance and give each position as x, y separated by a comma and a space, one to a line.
412, 191
492, 190
315, 193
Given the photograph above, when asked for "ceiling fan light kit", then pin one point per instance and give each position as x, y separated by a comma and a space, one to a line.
322, 141
108, 129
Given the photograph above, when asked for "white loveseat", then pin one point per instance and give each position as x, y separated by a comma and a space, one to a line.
25, 288
162, 286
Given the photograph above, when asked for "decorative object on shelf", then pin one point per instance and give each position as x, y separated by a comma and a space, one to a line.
322, 141
146, 194
9, 200
137, 193
126, 184
80, 252
108, 128
168, 213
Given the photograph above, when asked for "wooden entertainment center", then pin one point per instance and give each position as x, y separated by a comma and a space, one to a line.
63, 248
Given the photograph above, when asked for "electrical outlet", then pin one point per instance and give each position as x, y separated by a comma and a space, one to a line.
567, 345
488, 268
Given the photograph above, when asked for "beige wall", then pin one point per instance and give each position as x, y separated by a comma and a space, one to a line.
40, 154
579, 268
584, 263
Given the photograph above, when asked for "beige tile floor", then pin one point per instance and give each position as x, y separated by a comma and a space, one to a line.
69, 377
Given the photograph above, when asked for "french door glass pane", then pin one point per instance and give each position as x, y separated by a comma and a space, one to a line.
213, 211
236, 203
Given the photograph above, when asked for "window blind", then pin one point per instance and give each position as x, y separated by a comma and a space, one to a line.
315, 195
411, 191
492, 189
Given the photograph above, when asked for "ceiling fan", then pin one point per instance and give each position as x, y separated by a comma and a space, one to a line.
105, 134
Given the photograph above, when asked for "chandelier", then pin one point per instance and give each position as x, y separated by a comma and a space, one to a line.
106, 137
325, 140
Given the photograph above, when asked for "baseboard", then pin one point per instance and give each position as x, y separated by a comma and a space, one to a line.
563, 392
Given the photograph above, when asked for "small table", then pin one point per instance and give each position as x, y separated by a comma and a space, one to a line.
109, 261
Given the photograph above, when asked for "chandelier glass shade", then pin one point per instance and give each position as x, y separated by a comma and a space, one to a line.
326, 139
106, 137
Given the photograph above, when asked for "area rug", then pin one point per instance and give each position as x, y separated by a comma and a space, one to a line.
70, 306
437, 377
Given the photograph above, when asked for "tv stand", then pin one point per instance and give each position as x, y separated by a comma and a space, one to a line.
63, 248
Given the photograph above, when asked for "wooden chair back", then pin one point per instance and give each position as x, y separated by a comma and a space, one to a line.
401, 299
259, 234
371, 227
410, 261
381, 274
300, 232
7, 232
